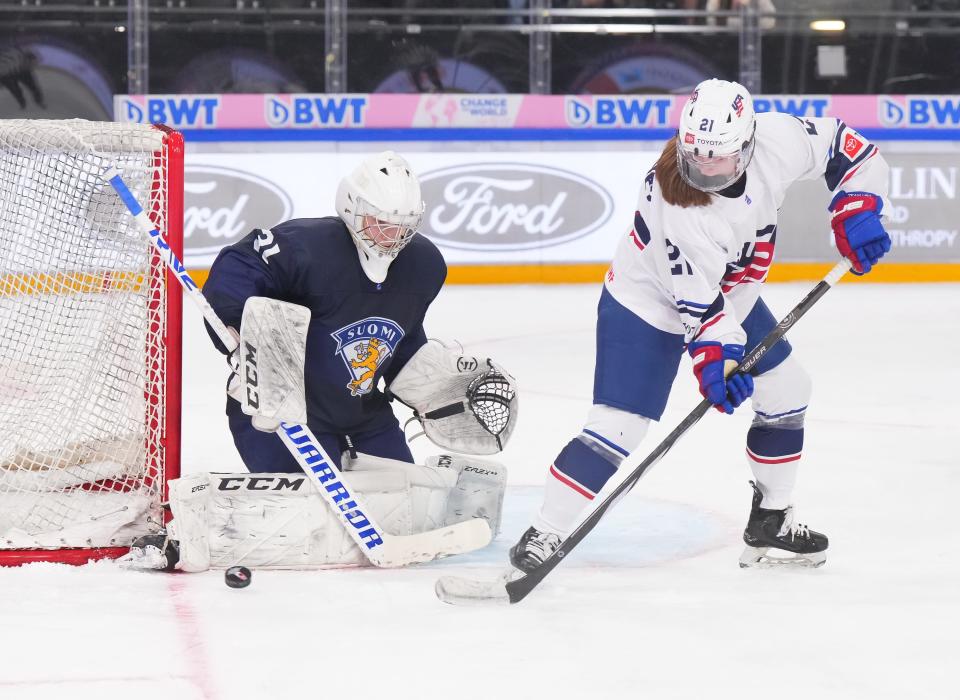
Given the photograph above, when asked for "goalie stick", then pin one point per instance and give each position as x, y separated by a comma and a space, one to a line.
513, 586
380, 547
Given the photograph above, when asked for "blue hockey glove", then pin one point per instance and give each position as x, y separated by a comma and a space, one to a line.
711, 361
857, 229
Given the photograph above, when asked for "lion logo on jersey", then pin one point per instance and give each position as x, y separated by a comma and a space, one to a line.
368, 359
364, 347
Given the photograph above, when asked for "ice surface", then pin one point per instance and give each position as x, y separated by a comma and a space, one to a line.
651, 605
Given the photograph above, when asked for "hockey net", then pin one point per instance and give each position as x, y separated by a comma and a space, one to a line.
89, 338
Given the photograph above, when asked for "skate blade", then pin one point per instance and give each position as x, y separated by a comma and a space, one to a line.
758, 558
457, 590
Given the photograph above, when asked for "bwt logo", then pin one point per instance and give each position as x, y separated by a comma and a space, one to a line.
797, 106
618, 111
314, 110
919, 111
197, 111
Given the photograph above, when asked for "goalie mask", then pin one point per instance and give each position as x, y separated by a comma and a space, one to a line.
716, 137
463, 403
381, 205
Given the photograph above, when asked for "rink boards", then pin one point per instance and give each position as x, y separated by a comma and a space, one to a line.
536, 188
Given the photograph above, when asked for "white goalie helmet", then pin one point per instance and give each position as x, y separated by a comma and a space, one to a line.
716, 137
381, 205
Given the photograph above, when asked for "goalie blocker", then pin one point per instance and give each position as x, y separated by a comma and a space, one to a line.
277, 521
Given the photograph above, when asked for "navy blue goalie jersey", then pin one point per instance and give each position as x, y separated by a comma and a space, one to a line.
359, 330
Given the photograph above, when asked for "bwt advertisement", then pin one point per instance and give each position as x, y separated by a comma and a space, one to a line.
526, 207
400, 111
510, 201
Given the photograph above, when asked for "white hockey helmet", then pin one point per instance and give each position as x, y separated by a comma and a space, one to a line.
716, 136
380, 204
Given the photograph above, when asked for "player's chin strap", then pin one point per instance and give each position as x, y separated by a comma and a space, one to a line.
462, 403
489, 399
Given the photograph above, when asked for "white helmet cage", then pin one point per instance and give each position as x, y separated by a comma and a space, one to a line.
716, 137
381, 205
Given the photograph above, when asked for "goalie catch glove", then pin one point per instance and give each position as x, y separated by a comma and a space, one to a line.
463, 403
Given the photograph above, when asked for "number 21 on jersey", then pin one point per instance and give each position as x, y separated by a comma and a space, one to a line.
265, 245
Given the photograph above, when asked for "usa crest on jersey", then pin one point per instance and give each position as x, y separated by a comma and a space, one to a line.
364, 346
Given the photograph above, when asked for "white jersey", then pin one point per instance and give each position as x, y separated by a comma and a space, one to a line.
697, 271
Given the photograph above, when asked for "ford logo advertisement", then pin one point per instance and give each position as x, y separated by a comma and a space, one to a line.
510, 206
222, 205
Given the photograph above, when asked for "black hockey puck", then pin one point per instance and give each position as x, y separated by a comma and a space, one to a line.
238, 577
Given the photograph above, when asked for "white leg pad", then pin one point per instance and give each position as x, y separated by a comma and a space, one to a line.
275, 520
449, 489
477, 492
278, 520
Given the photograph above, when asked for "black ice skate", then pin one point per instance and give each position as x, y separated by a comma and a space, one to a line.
155, 551
775, 529
533, 548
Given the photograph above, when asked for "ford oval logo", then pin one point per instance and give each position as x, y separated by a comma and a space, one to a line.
222, 205
510, 206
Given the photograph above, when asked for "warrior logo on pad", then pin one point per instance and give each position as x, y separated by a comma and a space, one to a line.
364, 346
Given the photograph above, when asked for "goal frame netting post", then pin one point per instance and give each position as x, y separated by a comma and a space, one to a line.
162, 367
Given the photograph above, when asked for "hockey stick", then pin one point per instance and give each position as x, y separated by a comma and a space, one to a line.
514, 586
380, 547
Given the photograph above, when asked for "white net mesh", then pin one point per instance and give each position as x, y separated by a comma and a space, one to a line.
83, 325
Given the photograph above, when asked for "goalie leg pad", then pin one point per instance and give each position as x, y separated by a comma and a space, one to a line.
189, 498
429, 487
278, 521
448, 489
478, 492
275, 520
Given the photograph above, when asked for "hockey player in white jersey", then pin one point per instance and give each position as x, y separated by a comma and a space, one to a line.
688, 276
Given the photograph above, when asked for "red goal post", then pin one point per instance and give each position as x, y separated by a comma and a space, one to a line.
90, 338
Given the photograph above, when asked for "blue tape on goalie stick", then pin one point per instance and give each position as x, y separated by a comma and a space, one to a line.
126, 196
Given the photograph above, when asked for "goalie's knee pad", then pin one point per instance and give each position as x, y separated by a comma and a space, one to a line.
782, 393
